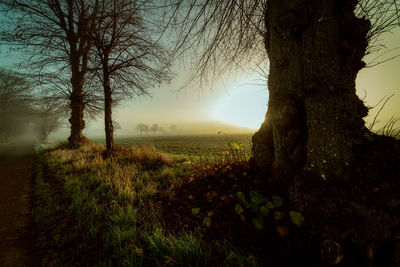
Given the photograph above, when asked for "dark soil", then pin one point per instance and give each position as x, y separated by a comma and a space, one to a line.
15, 205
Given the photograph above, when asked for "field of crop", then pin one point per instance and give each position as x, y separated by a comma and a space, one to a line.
192, 145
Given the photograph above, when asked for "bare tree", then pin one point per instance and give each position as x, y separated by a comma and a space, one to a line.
15, 108
55, 89
141, 127
48, 119
131, 60
173, 128
55, 36
154, 128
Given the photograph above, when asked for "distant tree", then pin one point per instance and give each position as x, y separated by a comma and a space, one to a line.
173, 128
15, 100
116, 126
128, 53
154, 128
55, 36
48, 119
142, 128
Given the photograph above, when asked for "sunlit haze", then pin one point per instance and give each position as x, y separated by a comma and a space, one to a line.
243, 106
233, 106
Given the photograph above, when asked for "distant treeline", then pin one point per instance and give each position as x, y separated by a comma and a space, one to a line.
22, 115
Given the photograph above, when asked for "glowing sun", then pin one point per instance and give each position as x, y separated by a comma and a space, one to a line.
243, 106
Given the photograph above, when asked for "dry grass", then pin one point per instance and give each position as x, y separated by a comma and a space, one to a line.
126, 172
65, 155
149, 153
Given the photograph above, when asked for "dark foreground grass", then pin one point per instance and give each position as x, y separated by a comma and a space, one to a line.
91, 210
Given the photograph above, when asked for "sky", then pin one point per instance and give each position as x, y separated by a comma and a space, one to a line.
238, 99
382, 80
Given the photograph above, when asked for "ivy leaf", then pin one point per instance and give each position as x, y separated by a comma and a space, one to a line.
296, 218
207, 221
277, 201
264, 211
238, 209
195, 211
270, 205
256, 197
254, 207
241, 196
258, 223
278, 215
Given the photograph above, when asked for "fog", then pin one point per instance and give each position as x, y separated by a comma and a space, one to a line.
96, 131
23, 128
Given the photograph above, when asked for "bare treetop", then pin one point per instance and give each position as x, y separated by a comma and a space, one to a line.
228, 34
127, 44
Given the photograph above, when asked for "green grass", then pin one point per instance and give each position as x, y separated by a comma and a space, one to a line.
194, 146
91, 210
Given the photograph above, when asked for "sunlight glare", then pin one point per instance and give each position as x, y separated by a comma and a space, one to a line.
243, 106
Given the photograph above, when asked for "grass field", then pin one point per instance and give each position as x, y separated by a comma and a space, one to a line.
194, 146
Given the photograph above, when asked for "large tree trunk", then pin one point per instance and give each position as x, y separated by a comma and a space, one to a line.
78, 25
314, 117
77, 106
109, 128
313, 143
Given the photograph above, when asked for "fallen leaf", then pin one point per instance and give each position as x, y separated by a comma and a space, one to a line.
282, 231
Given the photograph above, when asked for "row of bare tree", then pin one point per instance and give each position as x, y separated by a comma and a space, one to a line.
154, 128
71, 47
21, 113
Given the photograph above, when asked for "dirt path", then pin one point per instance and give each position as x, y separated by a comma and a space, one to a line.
15, 209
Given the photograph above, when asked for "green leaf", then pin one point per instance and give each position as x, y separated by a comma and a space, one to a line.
270, 205
277, 201
241, 196
256, 197
264, 211
254, 207
207, 221
296, 218
238, 209
278, 215
195, 211
258, 222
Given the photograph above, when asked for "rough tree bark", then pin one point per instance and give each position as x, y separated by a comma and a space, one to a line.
313, 144
314, 117
109, 128
77, 106
78, 37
